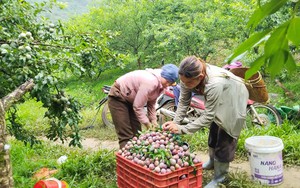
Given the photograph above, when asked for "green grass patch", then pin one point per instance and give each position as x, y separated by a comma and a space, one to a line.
83, 168
290, 81
31, 114
88, 91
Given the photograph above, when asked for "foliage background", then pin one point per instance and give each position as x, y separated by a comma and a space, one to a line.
74, 59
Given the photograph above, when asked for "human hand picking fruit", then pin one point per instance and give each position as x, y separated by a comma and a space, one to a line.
170, 126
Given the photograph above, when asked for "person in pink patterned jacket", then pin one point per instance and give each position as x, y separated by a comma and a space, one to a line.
131, 93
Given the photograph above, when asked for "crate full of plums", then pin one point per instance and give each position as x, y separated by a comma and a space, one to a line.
158, 159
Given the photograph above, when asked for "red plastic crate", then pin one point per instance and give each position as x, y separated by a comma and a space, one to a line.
131, 175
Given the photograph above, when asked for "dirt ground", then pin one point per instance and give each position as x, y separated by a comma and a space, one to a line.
291, 175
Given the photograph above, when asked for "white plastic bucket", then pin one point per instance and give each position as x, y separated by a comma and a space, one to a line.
265, 157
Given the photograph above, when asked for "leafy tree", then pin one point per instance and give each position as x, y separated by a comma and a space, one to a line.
279, 41
127, 20
35, 55
198, 28
152, 31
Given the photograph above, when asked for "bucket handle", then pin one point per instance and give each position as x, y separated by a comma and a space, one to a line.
57, 181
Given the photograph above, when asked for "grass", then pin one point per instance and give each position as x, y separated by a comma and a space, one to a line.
89, 91
26, 161
291, 83
235, 179
84, 169
33, 119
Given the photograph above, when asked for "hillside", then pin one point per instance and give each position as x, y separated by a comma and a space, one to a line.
67, 9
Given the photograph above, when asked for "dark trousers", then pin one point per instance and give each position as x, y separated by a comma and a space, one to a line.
223, 143
124, 119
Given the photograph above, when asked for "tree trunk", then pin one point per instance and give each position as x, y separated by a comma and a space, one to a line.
6, 178
139, 62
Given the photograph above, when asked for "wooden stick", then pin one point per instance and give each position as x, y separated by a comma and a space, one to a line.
286, 91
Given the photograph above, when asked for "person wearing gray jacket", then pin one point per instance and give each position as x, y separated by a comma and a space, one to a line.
226, 99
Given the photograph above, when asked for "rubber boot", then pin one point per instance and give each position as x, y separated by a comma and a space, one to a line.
209, 165
221, 171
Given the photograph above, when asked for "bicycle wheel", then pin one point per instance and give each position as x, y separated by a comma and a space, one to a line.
260, 115
106, 117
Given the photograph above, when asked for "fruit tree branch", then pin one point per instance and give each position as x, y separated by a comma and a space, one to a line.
14, 96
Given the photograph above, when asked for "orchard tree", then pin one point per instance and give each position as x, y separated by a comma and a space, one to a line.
168, 30
34, 56
278, 43
201, 28
127, 19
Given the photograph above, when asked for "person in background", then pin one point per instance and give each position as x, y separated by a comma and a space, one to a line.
129, 95
225, 111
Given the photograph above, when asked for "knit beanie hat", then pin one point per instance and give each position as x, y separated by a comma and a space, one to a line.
170, 72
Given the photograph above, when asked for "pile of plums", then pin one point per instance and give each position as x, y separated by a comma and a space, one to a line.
161, 152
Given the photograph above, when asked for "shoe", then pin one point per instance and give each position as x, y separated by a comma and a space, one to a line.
221, 171
209, 165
